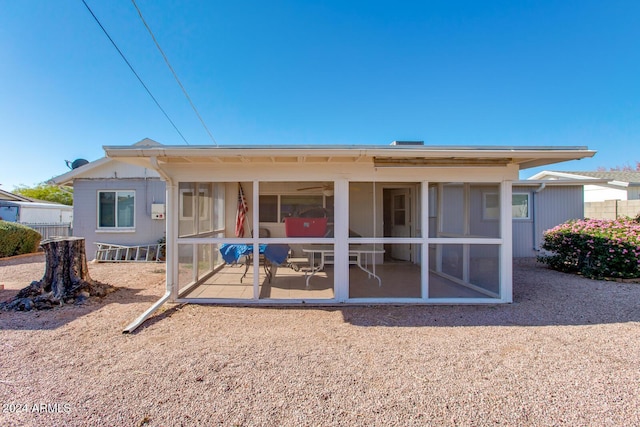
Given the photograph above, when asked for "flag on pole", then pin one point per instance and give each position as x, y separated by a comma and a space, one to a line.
241, 213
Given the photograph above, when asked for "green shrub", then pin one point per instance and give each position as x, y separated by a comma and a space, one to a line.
17, 239
595, 248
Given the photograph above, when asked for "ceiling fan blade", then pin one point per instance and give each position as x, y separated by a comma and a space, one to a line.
310, 188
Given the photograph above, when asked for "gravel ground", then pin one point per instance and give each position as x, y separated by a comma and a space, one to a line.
565, 353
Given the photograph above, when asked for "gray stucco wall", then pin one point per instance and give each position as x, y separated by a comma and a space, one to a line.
85, 212
550, 207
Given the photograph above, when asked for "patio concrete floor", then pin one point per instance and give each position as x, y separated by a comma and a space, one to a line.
398, 280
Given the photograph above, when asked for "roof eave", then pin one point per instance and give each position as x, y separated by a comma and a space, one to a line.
559, 182
525, 157
66, 179
14, 197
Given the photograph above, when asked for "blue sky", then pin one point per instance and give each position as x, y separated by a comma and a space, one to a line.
542, 73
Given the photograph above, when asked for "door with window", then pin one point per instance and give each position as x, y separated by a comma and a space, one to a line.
400, 221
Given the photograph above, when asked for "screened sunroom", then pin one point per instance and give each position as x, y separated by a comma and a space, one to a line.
335, 225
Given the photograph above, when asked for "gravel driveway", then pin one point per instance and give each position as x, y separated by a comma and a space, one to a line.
566, 352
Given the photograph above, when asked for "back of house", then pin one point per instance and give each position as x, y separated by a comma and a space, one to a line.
114, 203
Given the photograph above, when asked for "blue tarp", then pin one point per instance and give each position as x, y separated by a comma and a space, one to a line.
276, 254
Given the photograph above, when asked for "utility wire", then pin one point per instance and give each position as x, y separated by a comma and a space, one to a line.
134, 72
166, 60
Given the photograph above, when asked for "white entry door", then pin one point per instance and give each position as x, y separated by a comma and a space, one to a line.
401, 222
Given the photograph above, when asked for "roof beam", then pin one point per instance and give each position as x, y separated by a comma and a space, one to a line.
440, 162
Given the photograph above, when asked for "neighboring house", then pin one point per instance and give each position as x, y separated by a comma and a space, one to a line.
389, 224
17, 208
113, 202
49, 219
5, 195
600, 185
35, 212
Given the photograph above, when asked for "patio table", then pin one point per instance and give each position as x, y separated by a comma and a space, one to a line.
358, 255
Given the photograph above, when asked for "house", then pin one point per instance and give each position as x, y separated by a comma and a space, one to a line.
405, 223
91, 180
116, 202
600, 185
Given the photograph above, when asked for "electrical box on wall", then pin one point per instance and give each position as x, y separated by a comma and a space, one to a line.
157, 211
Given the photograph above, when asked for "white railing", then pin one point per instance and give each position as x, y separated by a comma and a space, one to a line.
51, 230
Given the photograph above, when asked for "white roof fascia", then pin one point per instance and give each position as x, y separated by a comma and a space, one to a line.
41, 205
558, 182
13, 197
619, 183
67, 178
585, 180
528, 156
398, 151
576, 176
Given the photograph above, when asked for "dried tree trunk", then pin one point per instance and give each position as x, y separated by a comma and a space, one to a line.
66, 278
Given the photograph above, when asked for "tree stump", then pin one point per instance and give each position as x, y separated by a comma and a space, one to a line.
66, 278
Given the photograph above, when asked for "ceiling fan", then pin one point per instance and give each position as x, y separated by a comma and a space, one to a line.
324, 187
327, 189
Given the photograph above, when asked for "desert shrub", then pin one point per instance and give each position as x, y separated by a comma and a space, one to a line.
17, 239
595, 248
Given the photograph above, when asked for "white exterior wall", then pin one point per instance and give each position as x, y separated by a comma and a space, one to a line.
598, 193
45, 215
67, 215
633, 193
106, 168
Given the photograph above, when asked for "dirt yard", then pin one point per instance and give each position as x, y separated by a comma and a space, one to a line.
567, 352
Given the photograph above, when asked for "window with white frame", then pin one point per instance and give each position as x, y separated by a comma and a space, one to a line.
490, 206
274, 208
519, 206
200, 208
188, 203
116, 209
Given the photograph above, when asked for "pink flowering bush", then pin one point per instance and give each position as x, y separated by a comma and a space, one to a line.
595, 248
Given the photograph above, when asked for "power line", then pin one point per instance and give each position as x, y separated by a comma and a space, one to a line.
166, 60
134, 72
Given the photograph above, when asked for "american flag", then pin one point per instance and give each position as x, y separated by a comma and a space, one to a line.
241, 213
